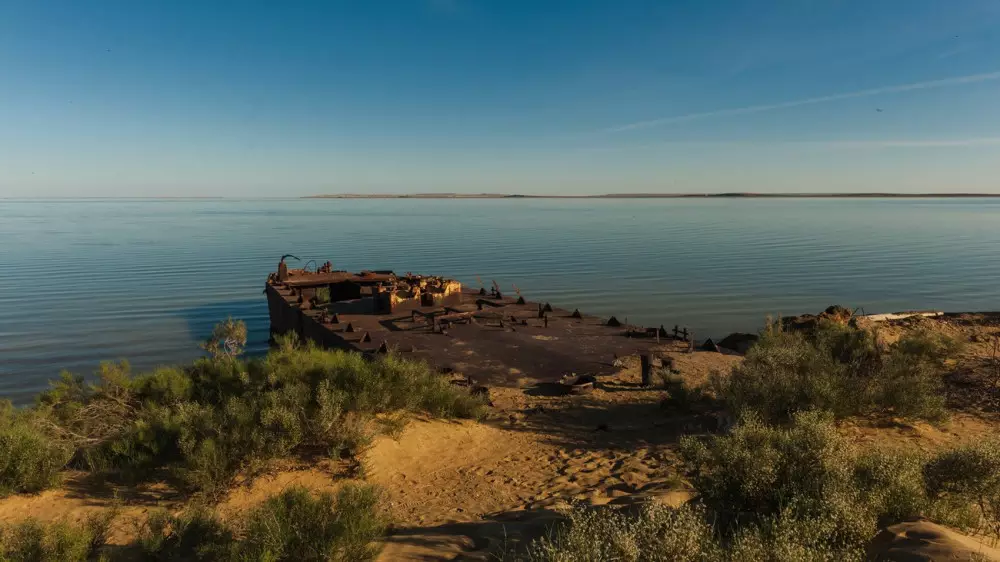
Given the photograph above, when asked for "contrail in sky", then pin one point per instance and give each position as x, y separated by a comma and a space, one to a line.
970, 79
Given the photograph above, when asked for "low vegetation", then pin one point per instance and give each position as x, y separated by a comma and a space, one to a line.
32, 541
965, 485
202, 425
782, 484
30, 461
841, 369
322, 295
795, 492
658, 533
294, 525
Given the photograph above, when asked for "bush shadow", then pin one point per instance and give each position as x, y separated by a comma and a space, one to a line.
474, 540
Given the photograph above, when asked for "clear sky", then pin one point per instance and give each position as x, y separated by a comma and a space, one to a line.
254, 97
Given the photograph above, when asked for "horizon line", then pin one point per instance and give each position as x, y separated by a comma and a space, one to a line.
647, 195
455, 195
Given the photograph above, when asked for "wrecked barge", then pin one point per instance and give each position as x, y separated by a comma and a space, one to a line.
492, 337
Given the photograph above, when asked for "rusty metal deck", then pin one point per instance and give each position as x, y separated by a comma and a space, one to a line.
496, 341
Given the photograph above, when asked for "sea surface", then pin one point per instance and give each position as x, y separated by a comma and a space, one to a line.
83, 281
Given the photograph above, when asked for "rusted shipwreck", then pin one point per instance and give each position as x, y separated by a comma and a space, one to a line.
493, 337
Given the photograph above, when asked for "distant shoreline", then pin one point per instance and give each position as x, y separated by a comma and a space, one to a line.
653, 196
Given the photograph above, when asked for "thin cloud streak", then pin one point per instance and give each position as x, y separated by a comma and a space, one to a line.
933, 143
822, 144
953, 52
958, 80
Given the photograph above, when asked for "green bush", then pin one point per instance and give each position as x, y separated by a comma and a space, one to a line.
966, 477
930, 345
140, 448
837, 368
165, 385
657, 533
299, 526
681, 397
228, 338
891, 484
197, 534
223, 416
30, 460
792, 537
32, 541
804, 471
684, 534
87, 412
322, 295
765, 470
791, 492
295, 525
907, 386
787, 492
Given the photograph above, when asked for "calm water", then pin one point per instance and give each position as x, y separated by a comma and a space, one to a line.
83, 281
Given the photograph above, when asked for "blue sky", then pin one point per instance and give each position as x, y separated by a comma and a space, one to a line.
252, 98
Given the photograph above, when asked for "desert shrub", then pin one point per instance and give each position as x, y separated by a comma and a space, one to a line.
196, 534
763, 469
787, 492
294, 525
964, 478
297, 525
358, 384
97, 526
656, 533
801, 488
228, 338
930, 345
33, 541
892, 485
88, 412
222, 416
322, 295
783, 373
684, 534
838, 368
909, 386
30, 460
165, 385
300, 397
680, 396
241, 435
790, 536
140, 448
